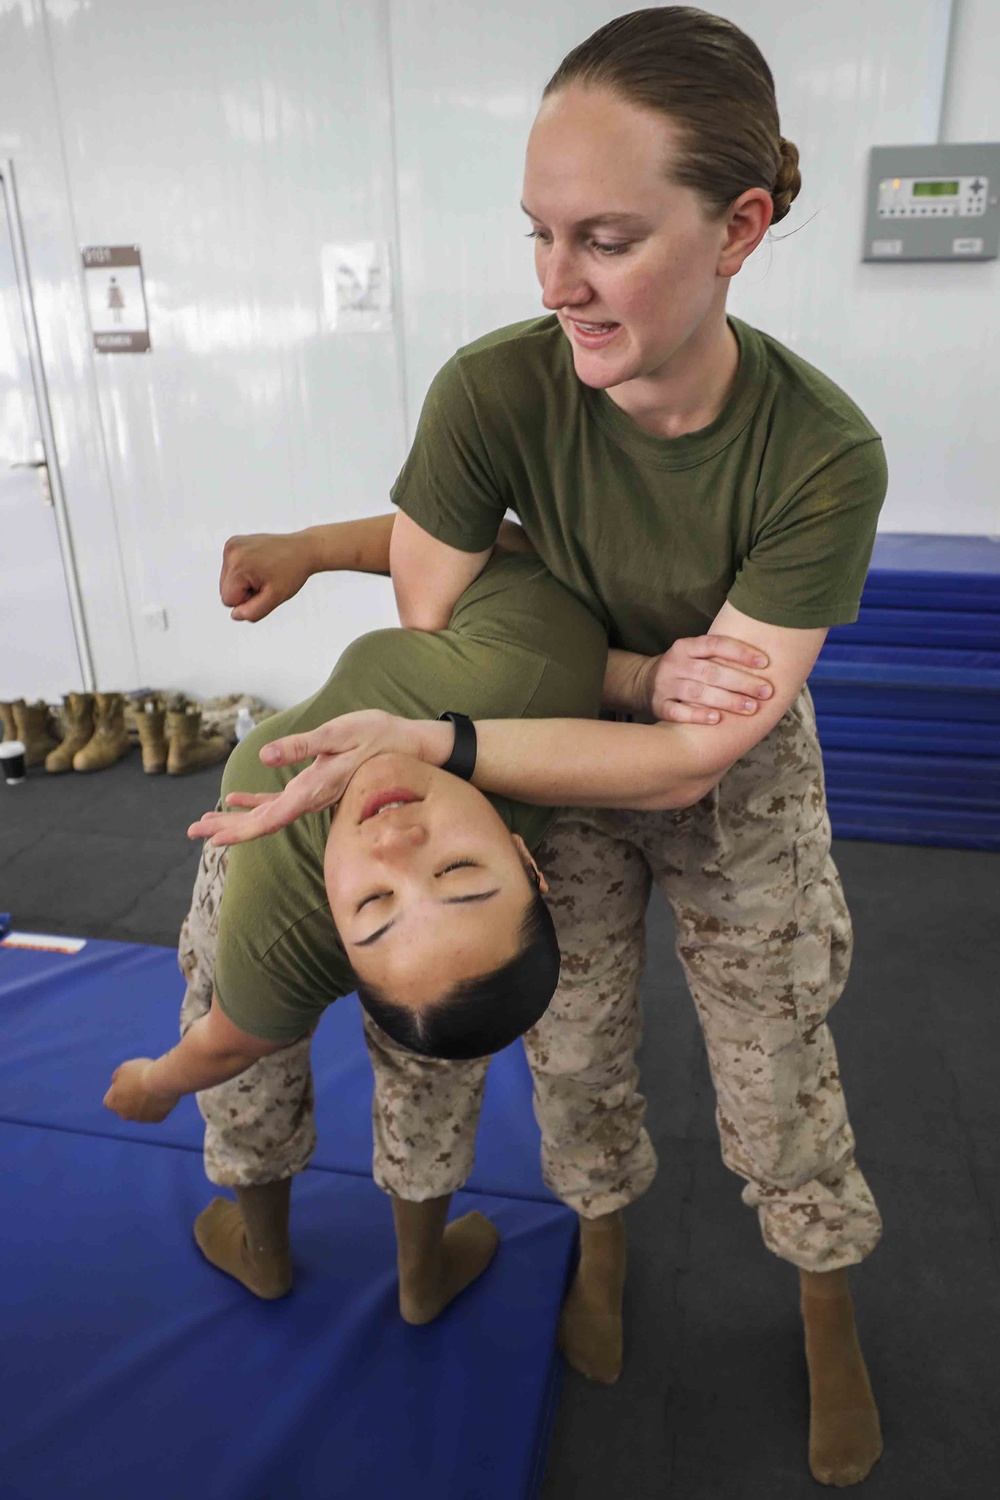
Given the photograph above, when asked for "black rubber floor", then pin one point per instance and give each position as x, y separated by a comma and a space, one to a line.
712, 1404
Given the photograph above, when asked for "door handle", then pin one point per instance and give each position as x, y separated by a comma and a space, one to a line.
42, 470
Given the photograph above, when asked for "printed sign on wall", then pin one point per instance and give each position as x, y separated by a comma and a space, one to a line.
357, 291
116, 298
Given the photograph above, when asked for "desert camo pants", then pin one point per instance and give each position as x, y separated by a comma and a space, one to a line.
764, 937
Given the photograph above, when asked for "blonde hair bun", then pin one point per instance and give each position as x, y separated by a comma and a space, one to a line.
788, 181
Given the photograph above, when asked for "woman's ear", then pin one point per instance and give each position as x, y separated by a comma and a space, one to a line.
529, 863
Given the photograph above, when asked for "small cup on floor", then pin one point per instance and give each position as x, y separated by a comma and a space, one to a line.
12, 756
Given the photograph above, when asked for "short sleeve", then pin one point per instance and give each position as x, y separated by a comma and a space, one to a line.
808, 560
259, 999
447, 484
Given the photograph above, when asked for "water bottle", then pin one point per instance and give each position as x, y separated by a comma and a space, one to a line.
244, 723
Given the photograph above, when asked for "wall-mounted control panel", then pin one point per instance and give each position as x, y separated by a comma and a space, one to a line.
933, 202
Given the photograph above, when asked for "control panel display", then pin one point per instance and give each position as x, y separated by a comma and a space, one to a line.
904, 197
933, 202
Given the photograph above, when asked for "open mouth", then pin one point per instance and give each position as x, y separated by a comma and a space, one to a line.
381, 802
593, 335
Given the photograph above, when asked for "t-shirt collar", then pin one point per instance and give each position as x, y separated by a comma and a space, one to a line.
694, 447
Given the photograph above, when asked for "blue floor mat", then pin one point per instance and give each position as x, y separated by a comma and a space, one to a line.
889, 822
922, 780
910, 571
67, 1020
953, 630
910, 736
134, 1371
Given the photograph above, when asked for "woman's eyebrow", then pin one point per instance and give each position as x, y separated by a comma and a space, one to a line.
595, 220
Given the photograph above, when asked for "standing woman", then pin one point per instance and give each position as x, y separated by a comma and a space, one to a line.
682, 472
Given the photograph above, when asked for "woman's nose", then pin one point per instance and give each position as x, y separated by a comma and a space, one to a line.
562, 284
398, 839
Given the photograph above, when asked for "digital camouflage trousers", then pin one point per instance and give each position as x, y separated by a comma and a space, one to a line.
764, 937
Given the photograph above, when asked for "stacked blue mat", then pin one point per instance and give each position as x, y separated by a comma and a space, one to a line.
908, 699
131, 1368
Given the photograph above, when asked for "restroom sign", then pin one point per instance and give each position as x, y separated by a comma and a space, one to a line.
116, 298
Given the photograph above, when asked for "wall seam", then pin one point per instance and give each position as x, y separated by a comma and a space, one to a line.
398, 305
95, 395
947, 70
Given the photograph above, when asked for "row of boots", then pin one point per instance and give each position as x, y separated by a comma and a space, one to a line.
96, 734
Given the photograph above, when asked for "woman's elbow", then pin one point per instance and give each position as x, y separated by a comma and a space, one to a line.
426, 619
681, 794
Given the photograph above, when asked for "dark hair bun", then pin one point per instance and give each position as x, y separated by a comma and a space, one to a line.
788, 181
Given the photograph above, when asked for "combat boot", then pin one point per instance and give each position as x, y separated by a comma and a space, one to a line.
151, 722
33, 722
135, 703
190, 750
78, 728
7, 717
110, 740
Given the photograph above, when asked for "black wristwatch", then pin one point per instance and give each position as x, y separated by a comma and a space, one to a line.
462, 760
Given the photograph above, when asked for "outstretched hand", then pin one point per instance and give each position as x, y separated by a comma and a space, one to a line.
340, 747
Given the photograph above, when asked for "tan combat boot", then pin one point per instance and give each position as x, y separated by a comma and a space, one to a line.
110, 740
78, 726
190, 750
33, 722
151, 721
7, 717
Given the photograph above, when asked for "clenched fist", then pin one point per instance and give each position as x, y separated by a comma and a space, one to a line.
261, 571
130, 1097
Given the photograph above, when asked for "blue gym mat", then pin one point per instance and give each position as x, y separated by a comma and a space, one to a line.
132, 1368
908, 699
910, 571
66, 1022
877, 822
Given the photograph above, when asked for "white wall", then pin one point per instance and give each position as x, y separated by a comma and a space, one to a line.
232, 142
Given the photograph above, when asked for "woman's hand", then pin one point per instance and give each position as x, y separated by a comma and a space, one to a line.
261, 571
703, 677
130, 1097
340, 747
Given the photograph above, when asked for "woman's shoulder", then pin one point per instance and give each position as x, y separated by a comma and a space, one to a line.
798, 392
534, 337
513, 363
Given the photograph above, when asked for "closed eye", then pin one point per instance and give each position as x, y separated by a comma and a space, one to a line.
458, 864
375, 896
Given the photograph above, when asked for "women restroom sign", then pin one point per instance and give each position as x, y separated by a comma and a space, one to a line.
116, 298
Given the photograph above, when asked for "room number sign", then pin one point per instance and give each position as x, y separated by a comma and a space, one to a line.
116, 298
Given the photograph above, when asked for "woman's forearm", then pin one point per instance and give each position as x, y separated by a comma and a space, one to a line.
586, 762
197, 1062
360, 546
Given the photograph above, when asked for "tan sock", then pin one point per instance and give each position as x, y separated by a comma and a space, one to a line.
437, 1263
249, 1239
845, 1438
590, 1329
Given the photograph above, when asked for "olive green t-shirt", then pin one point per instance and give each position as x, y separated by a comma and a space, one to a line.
519, 645
772, 506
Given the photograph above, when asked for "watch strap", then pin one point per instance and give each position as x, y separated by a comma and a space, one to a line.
462, 760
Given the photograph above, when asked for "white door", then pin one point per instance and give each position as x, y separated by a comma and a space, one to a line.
39, 656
